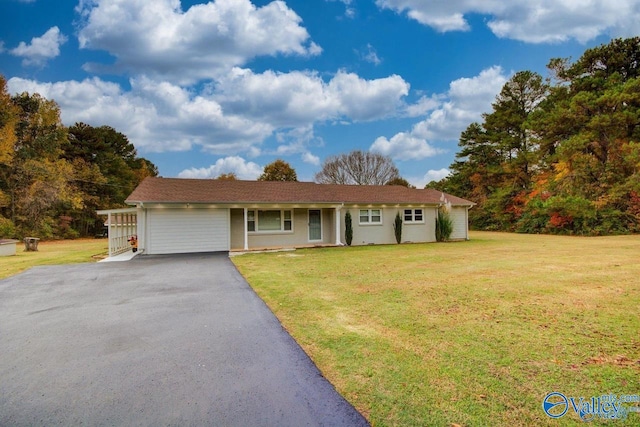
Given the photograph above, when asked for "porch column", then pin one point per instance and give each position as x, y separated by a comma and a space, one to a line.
246, 230
338, 242
109, 236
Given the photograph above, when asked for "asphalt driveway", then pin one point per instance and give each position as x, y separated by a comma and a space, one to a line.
166, 340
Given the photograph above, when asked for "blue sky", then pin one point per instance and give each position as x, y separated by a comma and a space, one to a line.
204, 88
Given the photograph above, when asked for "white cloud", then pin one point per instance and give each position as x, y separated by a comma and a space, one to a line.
234, 164
462, 105
447, 115
285, 99
363, 100
41, 48
423, 106
159, 39
155, 116
404, 146
534, 21
370, 55
431, 175
349, 11
298, 98
311, 159
436, 175
233, 116
297, 141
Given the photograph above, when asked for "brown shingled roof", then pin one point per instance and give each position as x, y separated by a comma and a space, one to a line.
178, 190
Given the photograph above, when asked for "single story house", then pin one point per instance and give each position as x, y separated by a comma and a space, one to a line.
175, 215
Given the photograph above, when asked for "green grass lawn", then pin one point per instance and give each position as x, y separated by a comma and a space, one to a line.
471, 333
54, 252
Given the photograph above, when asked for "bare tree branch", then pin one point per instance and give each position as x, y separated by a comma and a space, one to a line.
359, 168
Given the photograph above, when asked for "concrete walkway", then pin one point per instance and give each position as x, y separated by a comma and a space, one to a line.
158, 340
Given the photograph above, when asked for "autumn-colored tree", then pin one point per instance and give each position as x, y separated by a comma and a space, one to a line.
227, 177
38, 180
278, 170
589, 134
560, 156
494, 165
8, 121
52, 179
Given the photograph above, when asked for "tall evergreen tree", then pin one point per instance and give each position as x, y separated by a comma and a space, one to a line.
107, 168
560, 156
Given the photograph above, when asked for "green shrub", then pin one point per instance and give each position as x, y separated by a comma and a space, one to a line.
444, 226
397, 228
348, 229
534, 219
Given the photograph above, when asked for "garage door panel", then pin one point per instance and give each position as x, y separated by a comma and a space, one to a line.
185, 231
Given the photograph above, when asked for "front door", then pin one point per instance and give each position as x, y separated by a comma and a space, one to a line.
315, 225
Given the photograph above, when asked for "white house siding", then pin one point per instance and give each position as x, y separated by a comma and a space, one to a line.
187, 230
420, 232
365, 234
298, 237
459, 220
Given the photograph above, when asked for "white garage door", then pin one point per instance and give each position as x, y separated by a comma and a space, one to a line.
176, 231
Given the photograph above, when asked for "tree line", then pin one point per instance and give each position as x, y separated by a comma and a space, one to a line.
53, 178
560, 154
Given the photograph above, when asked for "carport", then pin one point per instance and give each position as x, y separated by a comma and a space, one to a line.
122, 225
162, 230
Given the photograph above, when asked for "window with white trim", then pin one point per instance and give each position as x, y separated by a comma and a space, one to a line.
414, 215
269, 220
370, 216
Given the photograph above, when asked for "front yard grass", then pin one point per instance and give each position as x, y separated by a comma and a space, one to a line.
52, 253
467, 333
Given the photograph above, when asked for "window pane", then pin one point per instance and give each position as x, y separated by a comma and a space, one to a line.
251, 221
269, 221
407, 215
287, 215
287, 224
375, 215
418, 215
364, 216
